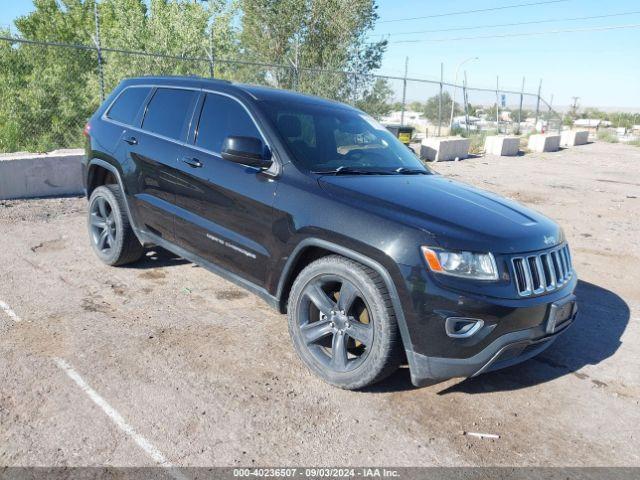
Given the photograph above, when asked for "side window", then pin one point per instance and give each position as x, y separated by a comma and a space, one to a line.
168, 111
220, 117
127, 105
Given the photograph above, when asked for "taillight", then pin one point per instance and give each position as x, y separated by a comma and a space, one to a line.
87, 130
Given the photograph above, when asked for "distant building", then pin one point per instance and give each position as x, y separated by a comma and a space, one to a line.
412, 118
592, 125
505, 115
461, 121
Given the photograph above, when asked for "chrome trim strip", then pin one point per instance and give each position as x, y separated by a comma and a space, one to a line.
477, 325
553, 283
542, 281
560, 268
105, 118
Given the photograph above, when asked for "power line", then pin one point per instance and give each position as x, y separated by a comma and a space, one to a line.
480, 27
466, 12
525, 34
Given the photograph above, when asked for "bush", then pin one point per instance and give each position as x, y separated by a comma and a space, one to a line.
607, 136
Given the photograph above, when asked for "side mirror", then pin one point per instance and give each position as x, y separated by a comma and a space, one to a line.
248, 151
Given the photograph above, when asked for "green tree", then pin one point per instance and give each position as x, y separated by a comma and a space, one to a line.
47, 93
416, 106
313, 35
376, 101
432, 105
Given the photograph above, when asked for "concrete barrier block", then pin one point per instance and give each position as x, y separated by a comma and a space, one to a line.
544, 143
502, 145
28, 175
571, 138
444, 148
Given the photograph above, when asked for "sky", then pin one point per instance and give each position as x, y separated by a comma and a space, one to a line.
602, 68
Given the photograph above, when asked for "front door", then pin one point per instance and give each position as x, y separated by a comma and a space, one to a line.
224, 209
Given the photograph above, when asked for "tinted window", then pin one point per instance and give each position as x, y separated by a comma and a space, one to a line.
220, 117
128, 104
324, 138
168, 112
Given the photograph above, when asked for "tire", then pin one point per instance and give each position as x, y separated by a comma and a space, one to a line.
110, 233
372, 342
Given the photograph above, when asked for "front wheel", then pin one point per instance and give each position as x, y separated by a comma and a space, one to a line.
342, 323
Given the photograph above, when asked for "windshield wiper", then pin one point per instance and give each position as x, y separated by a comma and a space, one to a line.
351, 171
411, 171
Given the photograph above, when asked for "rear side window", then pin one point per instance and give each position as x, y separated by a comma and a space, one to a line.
168, 112
221, 117
127, 105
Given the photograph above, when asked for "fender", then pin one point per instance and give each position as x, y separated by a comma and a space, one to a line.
369, 262
113, 169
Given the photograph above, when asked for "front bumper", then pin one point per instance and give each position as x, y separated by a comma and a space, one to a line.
506, 350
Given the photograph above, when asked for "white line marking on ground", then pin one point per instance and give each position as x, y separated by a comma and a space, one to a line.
7, 309
120, 422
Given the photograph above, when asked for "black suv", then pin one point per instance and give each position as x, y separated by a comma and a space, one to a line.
318, 209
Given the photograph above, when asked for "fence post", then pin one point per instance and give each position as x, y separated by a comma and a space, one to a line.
355, 76
97, 42
497, 105
404, 89
538, 104
440, 97
210, 56
296, 68
520, 110
466, 102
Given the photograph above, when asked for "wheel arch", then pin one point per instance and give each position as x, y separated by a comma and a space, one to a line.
101, 173
100, 170
311, 249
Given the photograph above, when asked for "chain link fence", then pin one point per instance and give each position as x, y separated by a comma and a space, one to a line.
48, 90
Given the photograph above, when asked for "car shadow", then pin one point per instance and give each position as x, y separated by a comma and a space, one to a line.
158, 257
595, 336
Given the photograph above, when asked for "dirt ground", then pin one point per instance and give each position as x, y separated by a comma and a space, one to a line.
205, 374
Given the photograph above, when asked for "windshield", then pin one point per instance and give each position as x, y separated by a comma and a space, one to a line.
325, 140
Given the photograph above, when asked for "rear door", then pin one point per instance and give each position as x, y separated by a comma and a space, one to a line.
154, 150
224, 209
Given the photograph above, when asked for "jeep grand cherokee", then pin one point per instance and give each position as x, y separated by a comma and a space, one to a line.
317, 208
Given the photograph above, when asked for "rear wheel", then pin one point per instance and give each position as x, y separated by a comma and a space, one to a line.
342, 324
112, 238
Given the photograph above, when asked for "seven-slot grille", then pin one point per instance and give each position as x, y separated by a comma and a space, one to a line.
542, 272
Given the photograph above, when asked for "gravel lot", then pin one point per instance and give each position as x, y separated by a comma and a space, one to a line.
192, 370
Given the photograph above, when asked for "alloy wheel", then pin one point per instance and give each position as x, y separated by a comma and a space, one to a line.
103, 225
335, 323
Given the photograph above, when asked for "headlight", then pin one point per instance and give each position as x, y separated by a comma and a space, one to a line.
477, 266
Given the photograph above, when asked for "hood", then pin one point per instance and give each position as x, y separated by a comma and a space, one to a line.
458, 216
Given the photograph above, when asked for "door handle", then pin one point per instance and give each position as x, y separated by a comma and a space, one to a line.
192, 162
131, 140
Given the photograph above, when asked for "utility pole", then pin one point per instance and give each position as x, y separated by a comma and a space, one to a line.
440, 97
404, 89
574, 107
96, 41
